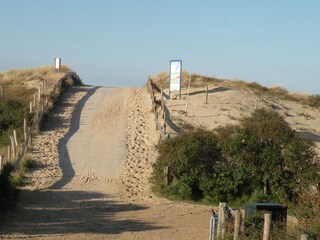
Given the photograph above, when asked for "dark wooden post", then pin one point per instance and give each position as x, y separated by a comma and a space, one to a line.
207, 94
166, 175
1, 91
9, 153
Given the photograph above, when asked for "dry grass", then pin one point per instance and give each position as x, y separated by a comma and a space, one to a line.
20, 85
201, 81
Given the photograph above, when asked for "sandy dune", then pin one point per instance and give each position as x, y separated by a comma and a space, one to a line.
94, 159
227, 105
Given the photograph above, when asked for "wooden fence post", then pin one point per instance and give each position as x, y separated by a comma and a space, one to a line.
13, 147
267, 226
166, 175
20, 153
304, 237
1, 164
237, 224
9, 153
44, 85
1, 90
162, 102
15, 137
35, 100
207, 94
187, 101
30, 136
25, 129
221, 220
164, 122
39, 94
30, 107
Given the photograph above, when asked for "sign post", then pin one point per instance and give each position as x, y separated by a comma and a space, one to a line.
175, 76
57, 65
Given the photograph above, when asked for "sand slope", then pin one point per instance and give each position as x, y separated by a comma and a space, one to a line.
91, 181
227, 105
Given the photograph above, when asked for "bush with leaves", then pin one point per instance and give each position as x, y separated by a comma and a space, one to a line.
260, 160
191, 158
268, 157
11, 117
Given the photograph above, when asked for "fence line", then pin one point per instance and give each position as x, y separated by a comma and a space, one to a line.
13, 154
43, 110
164, 115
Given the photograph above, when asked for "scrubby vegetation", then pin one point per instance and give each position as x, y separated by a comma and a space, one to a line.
260, 160
11, 117
19, 87
10, 180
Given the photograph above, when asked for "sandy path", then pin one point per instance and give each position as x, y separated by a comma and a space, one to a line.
94, 162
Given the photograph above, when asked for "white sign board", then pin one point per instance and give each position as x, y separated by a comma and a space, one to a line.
175, 76
57, 63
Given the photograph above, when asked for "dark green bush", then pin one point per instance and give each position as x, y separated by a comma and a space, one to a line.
11, 117
191, 158
259, 160
265, 149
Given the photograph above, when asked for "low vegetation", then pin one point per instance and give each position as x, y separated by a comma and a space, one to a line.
202, 81
19, 87
259, 160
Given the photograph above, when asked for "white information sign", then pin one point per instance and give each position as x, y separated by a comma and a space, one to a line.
175, 75
57, 63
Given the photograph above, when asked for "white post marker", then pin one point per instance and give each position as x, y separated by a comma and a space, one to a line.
175, 76
57, 64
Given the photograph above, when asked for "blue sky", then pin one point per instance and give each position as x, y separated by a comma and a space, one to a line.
122, 42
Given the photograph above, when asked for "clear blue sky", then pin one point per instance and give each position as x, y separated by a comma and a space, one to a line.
122, 42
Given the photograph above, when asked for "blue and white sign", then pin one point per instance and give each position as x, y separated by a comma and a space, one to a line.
175, 76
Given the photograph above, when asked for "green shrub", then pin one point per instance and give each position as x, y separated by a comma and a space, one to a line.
191, 157
265, 149
11, 117
259, 160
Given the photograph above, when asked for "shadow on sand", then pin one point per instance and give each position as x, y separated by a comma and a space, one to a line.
65, 162
215, 90
308, 135
60, 211
71, 212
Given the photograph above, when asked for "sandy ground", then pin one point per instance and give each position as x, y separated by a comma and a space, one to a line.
91, 180
228, 105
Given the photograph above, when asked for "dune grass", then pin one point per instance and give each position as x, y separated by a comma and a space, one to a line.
21, 85
198, 81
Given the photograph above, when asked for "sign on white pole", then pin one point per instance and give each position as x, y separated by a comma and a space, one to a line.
175, 76
57, 64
